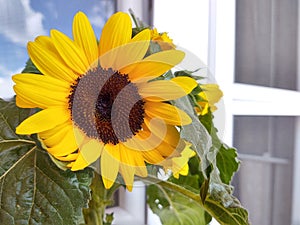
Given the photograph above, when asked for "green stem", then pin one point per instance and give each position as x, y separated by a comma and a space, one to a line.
134, 18
101, 198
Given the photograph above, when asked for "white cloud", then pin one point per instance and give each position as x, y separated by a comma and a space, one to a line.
6, 90
6, 83
19, 22
95, 18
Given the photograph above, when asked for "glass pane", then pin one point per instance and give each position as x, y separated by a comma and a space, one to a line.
266, 43
22, 21
264, 182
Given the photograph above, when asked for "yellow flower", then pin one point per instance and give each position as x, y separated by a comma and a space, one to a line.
210, 95
96, 100
162, 39
179, 164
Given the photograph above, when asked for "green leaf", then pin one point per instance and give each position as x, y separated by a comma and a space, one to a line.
227, 163
188, 73
32, 189
170, 201
153, 48
174, 208
30, 68
226, 215
225, 157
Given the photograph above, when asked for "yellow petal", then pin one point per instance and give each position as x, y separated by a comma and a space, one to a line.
73, 56
156, 126
188, 152
134, 159
143, 36
128, 155
80, 136
186, 83
169, 113
212, 93
39, 97
46, 82
62, 142
127, 54
128, 175
171, 137
43, 120
88, 153
135, 50
70, 157
165, 149
183, 171
48, 133
55, 137
204, 108
84, 37
40, 91
180, 164
46, 58
110, 163
165, 90
116, 32
141, 171
168, 134
143, 141
154, 65
153, 157
25, 103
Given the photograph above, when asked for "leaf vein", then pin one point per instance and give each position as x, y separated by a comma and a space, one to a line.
171, 203
16, 140
19, 160
58, 186
34, 190
5, 121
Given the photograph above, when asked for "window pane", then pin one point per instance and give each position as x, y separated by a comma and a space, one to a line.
266, 43
264, 182
22, 21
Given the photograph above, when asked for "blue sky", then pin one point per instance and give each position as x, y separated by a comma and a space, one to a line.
23, 20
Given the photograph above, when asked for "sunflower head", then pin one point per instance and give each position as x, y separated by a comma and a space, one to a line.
101, 100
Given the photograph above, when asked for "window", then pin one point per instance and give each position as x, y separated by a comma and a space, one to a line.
263, 37
266, 55
252, 49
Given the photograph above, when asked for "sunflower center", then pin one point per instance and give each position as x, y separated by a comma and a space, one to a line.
106, 105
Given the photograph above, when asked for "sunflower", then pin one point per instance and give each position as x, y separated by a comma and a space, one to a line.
101, 99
